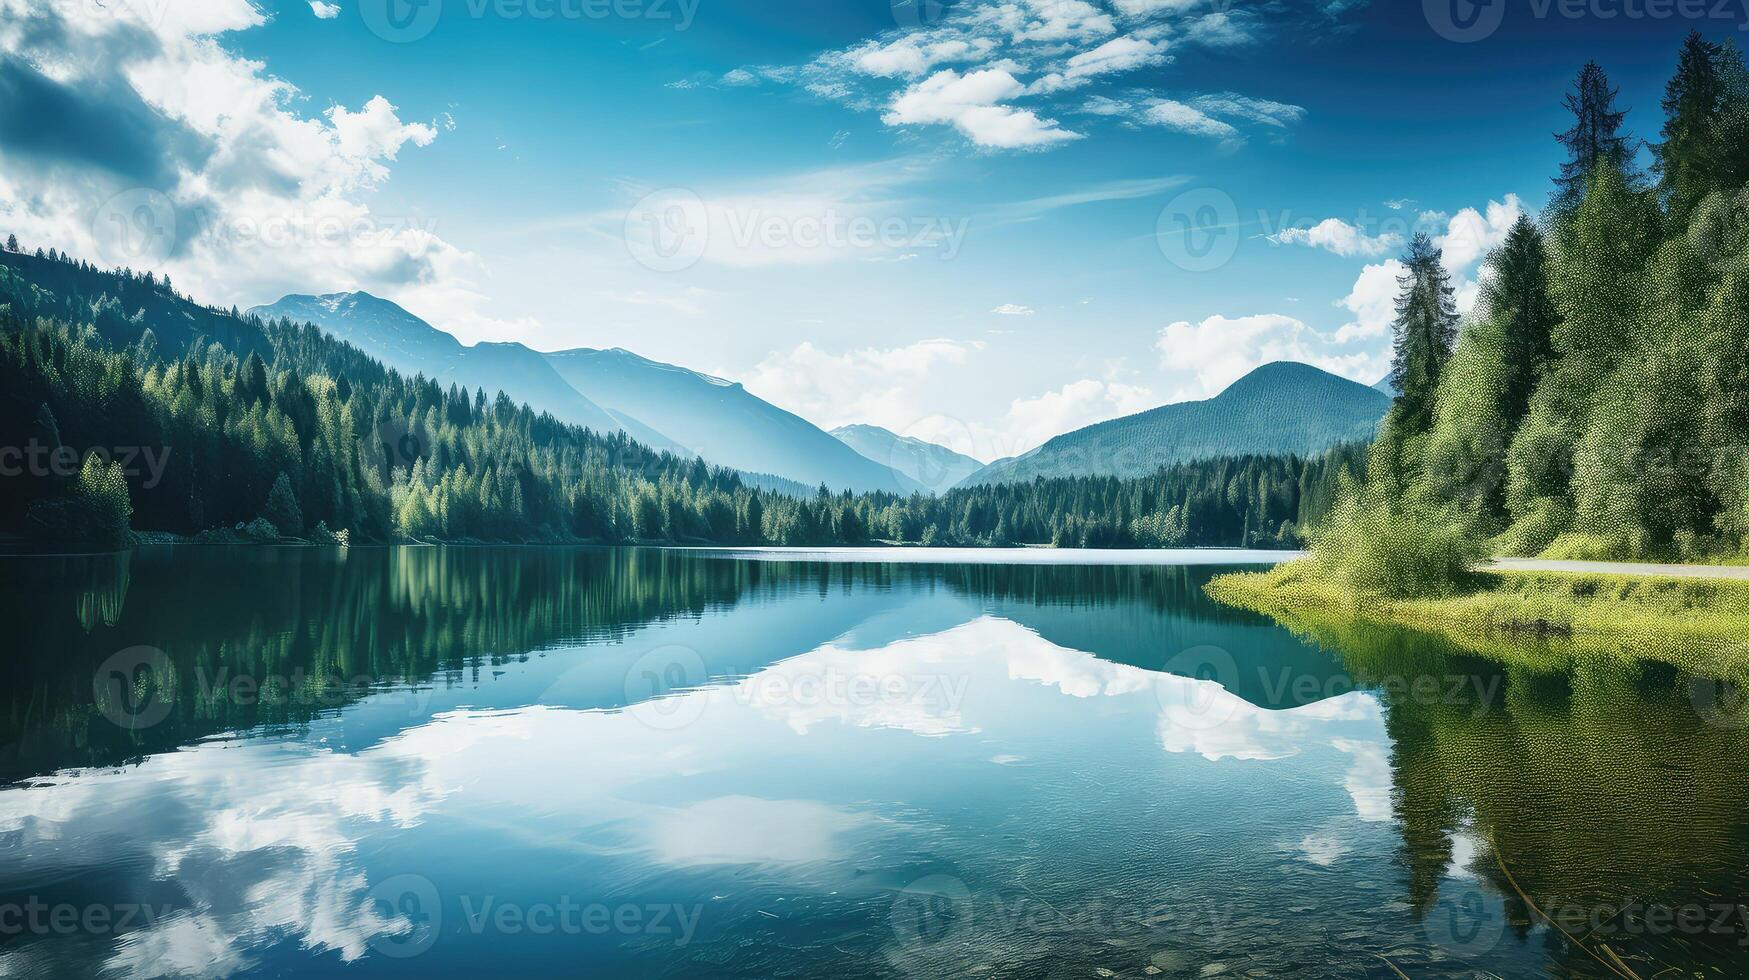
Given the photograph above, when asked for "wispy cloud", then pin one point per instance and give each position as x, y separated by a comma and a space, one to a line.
1116, 190
1001, 72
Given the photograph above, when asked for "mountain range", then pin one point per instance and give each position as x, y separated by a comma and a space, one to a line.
723, 422
660, 405
1283, 407
936, 468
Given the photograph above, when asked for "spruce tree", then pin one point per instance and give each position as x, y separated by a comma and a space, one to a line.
282, 509
1595, 138
1684, 161
1424, 332
1516, 298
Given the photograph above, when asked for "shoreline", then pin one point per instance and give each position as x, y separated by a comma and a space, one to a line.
1539, 617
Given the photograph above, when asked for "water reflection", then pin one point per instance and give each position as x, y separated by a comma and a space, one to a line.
647, 763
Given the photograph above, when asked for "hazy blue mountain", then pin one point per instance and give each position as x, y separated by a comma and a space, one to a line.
1279, 408
410, 345
721, 421
1385, 386
936, 468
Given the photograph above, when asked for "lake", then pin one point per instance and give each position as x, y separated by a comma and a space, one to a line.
639, 762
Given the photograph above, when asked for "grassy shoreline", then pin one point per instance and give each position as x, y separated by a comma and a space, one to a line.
1541, 618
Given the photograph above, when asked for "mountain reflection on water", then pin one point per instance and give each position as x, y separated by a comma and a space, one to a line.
660, 763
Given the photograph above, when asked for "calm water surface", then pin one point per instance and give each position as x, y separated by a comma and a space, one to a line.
456, 762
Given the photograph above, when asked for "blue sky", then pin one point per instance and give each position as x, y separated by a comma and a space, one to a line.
961, 221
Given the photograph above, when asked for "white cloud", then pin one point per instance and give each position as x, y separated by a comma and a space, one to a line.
1116, 55
1263, 112
1030, 422
1050, 20
1152, 8
1050, 48
1340, 237
1223, 30
971, 104
886, 386
324, 11
250, 197
1186, 119
1208, 356
876, 386
1470, 234
1373, 301
1104, 105
1369, 781
916, 55
1210, 114
1013, 309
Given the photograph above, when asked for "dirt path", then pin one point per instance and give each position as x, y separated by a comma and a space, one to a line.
1621, 568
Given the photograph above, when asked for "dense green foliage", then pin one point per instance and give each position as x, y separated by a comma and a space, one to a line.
1596, 403
286, 430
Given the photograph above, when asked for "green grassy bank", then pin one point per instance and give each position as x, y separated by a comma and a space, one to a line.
1697, 625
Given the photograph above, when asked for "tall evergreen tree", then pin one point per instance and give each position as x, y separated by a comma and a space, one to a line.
1424, 332
1516, 298
1692, 100
1595, 139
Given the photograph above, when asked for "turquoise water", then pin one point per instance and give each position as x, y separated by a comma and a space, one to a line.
418, 762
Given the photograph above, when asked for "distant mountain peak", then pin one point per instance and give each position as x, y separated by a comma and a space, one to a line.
935, 467
1278, 408
1285, 372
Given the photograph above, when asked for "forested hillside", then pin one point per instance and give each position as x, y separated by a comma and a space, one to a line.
1278, 409
299, 434
659, 405
1596, 404
408, 344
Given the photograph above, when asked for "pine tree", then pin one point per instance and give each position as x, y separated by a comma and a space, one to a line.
1516, 298
11, 243
1692, 100
1424, 332
282, 510
252, 384
1595, 139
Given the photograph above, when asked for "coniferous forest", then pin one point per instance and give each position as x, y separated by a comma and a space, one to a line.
1595, 404
135, 409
